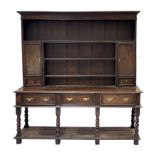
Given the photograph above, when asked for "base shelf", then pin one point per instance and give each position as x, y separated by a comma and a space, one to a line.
83, 133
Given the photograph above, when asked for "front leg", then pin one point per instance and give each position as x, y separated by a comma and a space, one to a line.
57, 140
136, 135
26, 118
133, 118
18, 135
97, 113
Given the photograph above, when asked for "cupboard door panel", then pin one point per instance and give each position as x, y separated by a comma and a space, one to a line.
126, 60
32, 58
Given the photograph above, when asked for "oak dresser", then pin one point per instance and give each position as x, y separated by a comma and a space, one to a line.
78, 59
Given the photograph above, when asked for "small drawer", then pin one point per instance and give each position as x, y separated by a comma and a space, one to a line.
118, 99
73, 99
126, 82
35, 99
33, 82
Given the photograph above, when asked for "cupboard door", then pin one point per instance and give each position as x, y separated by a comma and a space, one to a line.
32, 58
126, 59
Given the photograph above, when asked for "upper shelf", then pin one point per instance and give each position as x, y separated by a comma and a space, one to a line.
79, 30
86, 41
78, 41
108, 59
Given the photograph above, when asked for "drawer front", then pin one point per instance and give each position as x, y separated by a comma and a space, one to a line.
45, 99
33, 82
83, 99
126, 82
118, 99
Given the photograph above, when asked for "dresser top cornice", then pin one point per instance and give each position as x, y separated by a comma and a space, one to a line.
79, 15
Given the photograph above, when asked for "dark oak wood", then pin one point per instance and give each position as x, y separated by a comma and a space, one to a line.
78, 59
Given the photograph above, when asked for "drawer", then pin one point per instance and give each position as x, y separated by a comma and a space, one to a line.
84, 99
36, 99
126, 82
33, 82
118, 99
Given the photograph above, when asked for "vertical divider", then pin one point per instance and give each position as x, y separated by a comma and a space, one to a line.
103, 64
116, 65
78, 30
43, 63
51, 31
91, 63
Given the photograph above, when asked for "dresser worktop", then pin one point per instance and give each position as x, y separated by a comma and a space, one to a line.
105, 90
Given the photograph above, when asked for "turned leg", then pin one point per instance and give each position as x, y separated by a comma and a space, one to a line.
26, 118
136, 135
57, 140
133, 118
97, 113
18, 135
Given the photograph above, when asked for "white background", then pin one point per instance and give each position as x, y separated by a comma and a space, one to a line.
11, 79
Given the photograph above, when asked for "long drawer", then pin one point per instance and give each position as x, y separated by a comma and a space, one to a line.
79, 99
118, 99
38, 99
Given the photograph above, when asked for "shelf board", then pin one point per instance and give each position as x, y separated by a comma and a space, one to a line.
76, 75
77, 41
48, 59
105, 133
87, 41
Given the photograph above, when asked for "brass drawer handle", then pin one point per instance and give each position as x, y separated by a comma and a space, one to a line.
46, 99
125, 99
85, 99
109, 98
69, 99
29, 99
126, 81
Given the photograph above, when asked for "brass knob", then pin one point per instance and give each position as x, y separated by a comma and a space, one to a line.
46, 99
125, 99
85, 99
109, 98
69, 99
29, 99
